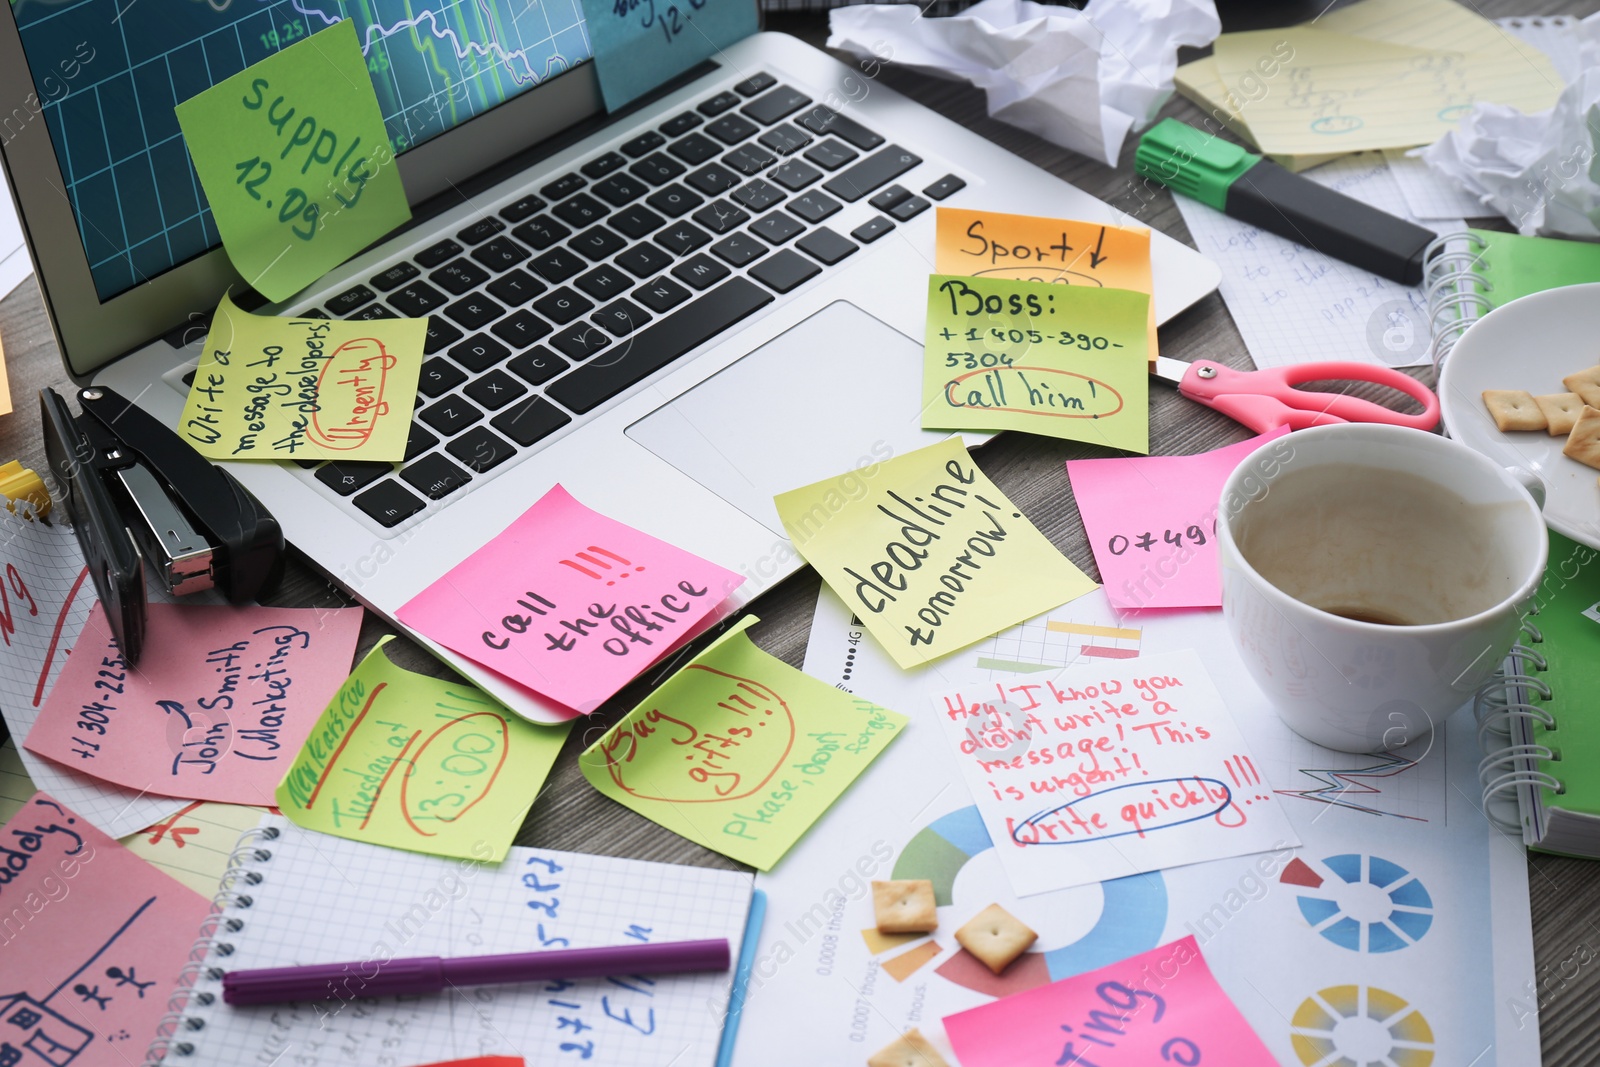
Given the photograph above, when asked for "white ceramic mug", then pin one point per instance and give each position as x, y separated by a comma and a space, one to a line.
1374, 577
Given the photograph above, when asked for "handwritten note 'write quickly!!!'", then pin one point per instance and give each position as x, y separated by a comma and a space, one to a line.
275, 388
217, 708
570, 603
638, 44
928, 552
1163, 1006
1111, 769
413, 762
739, 751
1059, 360
295, 162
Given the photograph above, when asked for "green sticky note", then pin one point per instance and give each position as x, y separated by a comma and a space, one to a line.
286, 388
418, 763
295, 162
739, 751
1067, 361
640, 44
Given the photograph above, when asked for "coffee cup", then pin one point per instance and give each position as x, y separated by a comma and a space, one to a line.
1373, 577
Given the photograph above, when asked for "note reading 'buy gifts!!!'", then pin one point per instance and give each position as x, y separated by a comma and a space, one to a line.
570, 603
295, 162
739, 751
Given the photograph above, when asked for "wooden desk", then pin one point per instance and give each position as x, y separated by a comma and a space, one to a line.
571, 815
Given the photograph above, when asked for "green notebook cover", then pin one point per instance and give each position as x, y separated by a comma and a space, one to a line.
1516, 266
1568, 619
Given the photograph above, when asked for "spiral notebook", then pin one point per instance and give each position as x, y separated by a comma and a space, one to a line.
293, 897
1540, 721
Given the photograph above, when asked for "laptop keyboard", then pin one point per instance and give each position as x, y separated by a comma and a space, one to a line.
562, 299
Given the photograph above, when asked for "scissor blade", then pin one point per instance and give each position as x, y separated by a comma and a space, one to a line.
1171, 370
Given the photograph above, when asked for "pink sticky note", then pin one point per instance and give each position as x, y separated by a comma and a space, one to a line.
217, 709
1151, 522
1159, 1007
570, 603
93, 943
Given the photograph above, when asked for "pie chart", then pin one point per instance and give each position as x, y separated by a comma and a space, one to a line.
1362, 903
1346, 1025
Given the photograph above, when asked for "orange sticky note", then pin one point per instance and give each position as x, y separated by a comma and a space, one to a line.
1029, 248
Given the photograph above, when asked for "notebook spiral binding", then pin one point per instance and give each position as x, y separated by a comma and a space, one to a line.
1505, 713
185, 1003
1455, 290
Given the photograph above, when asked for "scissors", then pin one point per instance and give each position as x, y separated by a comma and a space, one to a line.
1266, 399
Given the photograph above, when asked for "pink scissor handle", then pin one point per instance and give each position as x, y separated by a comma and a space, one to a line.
1266, 399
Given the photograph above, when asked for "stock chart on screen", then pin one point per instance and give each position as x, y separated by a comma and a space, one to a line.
108, 74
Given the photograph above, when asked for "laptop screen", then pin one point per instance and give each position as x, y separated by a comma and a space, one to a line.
108, 75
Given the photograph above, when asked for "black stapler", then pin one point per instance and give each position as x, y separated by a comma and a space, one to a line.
135, 491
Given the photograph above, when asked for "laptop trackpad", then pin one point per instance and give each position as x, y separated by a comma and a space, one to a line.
836, 392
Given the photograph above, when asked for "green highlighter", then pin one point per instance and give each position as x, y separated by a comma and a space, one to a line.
1247, 187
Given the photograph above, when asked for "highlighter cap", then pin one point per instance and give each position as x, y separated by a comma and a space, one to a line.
1190, 161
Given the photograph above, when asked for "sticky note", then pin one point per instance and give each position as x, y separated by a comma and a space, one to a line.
1030, 248
295, 162
1117, 767
1152, 523
928, 552
739, 751
418, 763
94, 941
1163, 1006
639, 44
217, 708
282, 388
1059, 360
570, 603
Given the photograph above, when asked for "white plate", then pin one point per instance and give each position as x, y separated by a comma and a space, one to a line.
1530, 343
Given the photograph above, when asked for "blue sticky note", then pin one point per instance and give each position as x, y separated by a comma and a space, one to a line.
638, 44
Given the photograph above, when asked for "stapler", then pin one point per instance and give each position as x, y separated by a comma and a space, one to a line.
136, 492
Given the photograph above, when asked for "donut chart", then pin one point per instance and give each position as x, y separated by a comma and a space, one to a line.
1393, 908
1132, 917
1356, 1024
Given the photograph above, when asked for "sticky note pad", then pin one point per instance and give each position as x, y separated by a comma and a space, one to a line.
739, 751
295, 162
639, 44
570, 603
1059, 360
284, 388
418, 763
928, 552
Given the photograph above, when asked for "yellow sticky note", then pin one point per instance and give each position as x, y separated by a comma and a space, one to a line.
739, 751
280, 388
1030, 248
1059, 360
414, 762
295, 162
928, 552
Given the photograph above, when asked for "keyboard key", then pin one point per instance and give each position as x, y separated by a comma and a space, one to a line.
775, 228
784, 270
824, 120
373, 311
438, 377
443, 252
814, 207
474, 311
581, 210
657, 169
600, 166
675, 200
620, 189
872, 229
701, 272
418, 441
890, 197
308, 313
500, 254
559, 264
604, 282
620, 317
694, 149
719, 216
398, 274
459, 277
758, 195
563, 187
597, 243
521, 209
643, 144
643, 260
661, 295
585, 388
435, 477
795, 175
581, 340
831, 154
877, 169
739, 249
530, 420
636, 221
541, 232
563, 305
777, 104
495, 390
450, 415
349, 300
714, 178
348, 476
756, 83
729, 129
520, 330
679, 125
478, 353
750, 159
418, 299
946, 186
440, 333
481, 230
681, 239
910, 208
825, 246
718, 104
389, 503
537, 365
515, 287
480, 450
786, 139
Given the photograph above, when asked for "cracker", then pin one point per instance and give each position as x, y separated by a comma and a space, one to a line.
1513, 409
1560, 411
910, 1049
905, 907
1583, 443
996, 937
1586, 383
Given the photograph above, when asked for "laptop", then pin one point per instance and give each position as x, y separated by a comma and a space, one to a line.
676, 311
